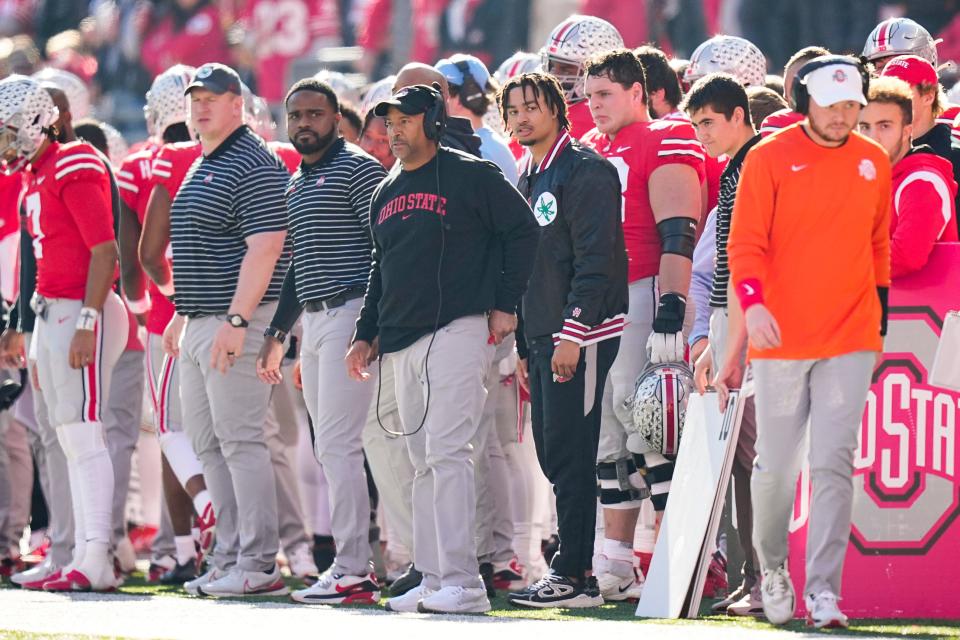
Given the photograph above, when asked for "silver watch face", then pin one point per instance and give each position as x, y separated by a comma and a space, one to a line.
236, 321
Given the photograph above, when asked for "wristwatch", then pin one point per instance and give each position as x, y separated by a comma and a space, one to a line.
277, 334
236, 320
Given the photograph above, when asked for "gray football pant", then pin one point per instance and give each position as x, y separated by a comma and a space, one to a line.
746, 452
494, 514
224, 415
444, 487
121, 422
831, 394
338, 407
388, 457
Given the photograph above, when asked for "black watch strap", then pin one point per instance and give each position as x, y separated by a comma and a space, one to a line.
278, 334
237, 320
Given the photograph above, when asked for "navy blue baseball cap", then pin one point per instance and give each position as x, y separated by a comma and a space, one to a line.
215, 77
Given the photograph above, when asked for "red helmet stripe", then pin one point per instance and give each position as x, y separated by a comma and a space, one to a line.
671, 415
884, 34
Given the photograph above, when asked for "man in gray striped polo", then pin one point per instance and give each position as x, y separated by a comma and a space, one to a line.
328, 212
228, 227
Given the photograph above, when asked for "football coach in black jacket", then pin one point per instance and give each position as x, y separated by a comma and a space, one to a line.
453, 247
572, 315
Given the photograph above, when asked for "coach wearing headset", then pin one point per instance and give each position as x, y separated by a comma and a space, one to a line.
809, 254
453, 247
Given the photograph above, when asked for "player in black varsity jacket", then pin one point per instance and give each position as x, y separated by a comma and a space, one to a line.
573, 315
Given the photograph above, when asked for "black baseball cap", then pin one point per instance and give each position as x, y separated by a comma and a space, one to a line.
410, 100
215, 77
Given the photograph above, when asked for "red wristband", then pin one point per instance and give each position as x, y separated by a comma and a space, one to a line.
750, 292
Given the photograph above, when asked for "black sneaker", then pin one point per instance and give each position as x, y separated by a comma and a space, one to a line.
486, 574
408, 580
554, 591
180, 573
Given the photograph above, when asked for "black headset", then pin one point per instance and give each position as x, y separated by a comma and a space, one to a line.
471, 93
435, 117
799, 92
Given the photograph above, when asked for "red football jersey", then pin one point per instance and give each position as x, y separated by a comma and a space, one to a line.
284, 30
638, 150
134, 179
950, 118
713, 167
290, 157
170, 166
202, 39
11, 192
62, 237
779, 120
581, 120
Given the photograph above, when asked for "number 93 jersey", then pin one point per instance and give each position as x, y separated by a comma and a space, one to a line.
637, 151
67, 206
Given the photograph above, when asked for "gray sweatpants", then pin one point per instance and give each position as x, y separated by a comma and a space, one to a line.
121, 422
224, 416
281, 432
831, 394
444, 487
746, 452
338, 407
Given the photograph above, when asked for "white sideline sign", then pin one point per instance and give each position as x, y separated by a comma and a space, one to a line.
691, 518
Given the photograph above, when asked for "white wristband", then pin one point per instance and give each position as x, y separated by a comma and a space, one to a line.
138, 307
166, 289
87, 320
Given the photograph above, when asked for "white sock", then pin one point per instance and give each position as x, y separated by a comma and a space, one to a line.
186, 550
619, 556
200, 502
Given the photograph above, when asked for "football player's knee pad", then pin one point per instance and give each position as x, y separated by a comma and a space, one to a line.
179, 453
81, 440
621, 485
657, 471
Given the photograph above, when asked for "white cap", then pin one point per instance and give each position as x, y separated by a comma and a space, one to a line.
835, 83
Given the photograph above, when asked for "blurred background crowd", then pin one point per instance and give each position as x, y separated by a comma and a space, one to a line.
118, 46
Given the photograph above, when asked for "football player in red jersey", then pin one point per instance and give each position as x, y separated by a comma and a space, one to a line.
923, 210
167, 111
785, 117
82, 324
661, 166
569, 45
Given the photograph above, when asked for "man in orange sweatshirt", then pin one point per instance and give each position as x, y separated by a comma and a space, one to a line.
809, 254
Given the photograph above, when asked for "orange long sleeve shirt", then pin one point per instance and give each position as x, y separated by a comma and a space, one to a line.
812, 224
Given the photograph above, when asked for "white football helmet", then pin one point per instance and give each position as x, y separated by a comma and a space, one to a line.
26, 113
376, 93
658, 406
254, 116
728, 54
572, 42
346, 90
900, 36
78, 95
117, 147
166, 102
519, 63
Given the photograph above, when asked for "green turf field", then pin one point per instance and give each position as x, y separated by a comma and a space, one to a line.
136, 585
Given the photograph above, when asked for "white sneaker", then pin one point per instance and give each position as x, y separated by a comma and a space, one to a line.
240, 584
300, 561
823, 612
616, 588
193, 586
456, 600
409, 601
751, 604
40, 572
338, 588
779, 598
